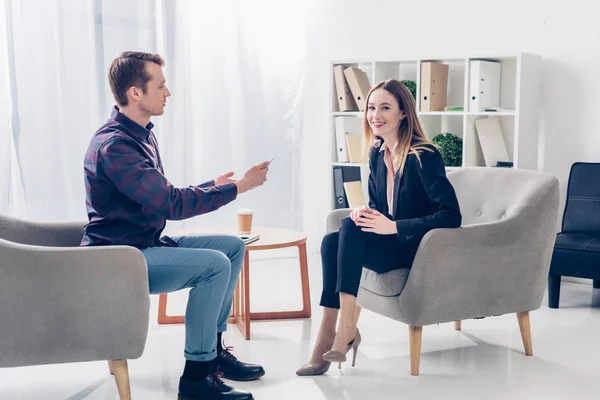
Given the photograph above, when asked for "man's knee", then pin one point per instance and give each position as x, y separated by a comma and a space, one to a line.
232, 245
238, 249
213, 268
221, 265
238, 245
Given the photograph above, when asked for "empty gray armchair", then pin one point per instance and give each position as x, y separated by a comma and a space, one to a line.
63, 303
496, 263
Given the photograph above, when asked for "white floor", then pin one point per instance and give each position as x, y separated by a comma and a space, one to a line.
483, 361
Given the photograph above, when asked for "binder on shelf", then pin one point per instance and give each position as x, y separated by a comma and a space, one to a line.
491, 141
358, 81
434, 86
341, 175
345, 100
355, 194
354, 148
338, 188
343, 127
335, 106
484, 85
340, 140
351, 173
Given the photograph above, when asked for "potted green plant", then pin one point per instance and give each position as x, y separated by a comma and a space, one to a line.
411, 86
450, 147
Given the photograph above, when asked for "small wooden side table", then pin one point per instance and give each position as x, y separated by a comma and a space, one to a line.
270, 238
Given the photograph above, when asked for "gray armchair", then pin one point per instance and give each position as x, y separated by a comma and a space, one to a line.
62, 303
496, 263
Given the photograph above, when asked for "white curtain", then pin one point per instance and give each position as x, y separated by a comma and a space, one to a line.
235, 73
11, 196
54, 63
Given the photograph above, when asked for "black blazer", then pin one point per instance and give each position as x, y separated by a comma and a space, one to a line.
424, 198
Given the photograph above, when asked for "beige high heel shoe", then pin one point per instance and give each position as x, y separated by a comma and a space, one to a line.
309, 369
339, 357
319, 368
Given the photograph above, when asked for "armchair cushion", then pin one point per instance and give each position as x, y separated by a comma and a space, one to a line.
576, 254
577, 242
388, 284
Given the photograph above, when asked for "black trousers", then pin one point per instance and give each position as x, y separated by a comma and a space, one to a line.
346, 252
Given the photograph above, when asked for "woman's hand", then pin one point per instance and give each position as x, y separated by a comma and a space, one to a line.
357, 212
376, 222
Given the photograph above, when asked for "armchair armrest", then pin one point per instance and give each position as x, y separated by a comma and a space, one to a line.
479, 270
64, 304
334, 219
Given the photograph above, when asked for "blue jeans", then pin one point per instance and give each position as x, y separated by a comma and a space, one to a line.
210, 265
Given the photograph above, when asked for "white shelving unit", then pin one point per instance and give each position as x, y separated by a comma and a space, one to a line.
518, 115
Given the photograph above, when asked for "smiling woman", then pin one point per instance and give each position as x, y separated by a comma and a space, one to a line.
409, 195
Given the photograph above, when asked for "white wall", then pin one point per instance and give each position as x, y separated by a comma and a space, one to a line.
564, 33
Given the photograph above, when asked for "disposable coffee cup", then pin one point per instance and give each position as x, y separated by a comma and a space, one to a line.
244, 220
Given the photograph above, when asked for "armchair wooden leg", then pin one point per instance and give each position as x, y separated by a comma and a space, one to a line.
119, 367
525, 327
458, 325
414, 335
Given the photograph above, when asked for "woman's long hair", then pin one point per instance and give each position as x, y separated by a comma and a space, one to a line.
411, 136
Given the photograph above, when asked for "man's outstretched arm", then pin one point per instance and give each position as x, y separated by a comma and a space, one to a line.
133, 175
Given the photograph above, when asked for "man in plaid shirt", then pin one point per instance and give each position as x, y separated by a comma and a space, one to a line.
129, 199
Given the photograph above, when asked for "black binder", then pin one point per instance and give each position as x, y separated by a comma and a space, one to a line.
341, 175
338, 188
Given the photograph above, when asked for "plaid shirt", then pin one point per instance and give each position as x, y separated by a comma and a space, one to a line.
128, 198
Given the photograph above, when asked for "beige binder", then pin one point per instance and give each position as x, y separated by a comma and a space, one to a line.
353, 148
335, 107
354, 194
344, 97
358, 81
434, 86
491, 141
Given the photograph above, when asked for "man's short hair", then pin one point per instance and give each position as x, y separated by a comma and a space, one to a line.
129, 69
